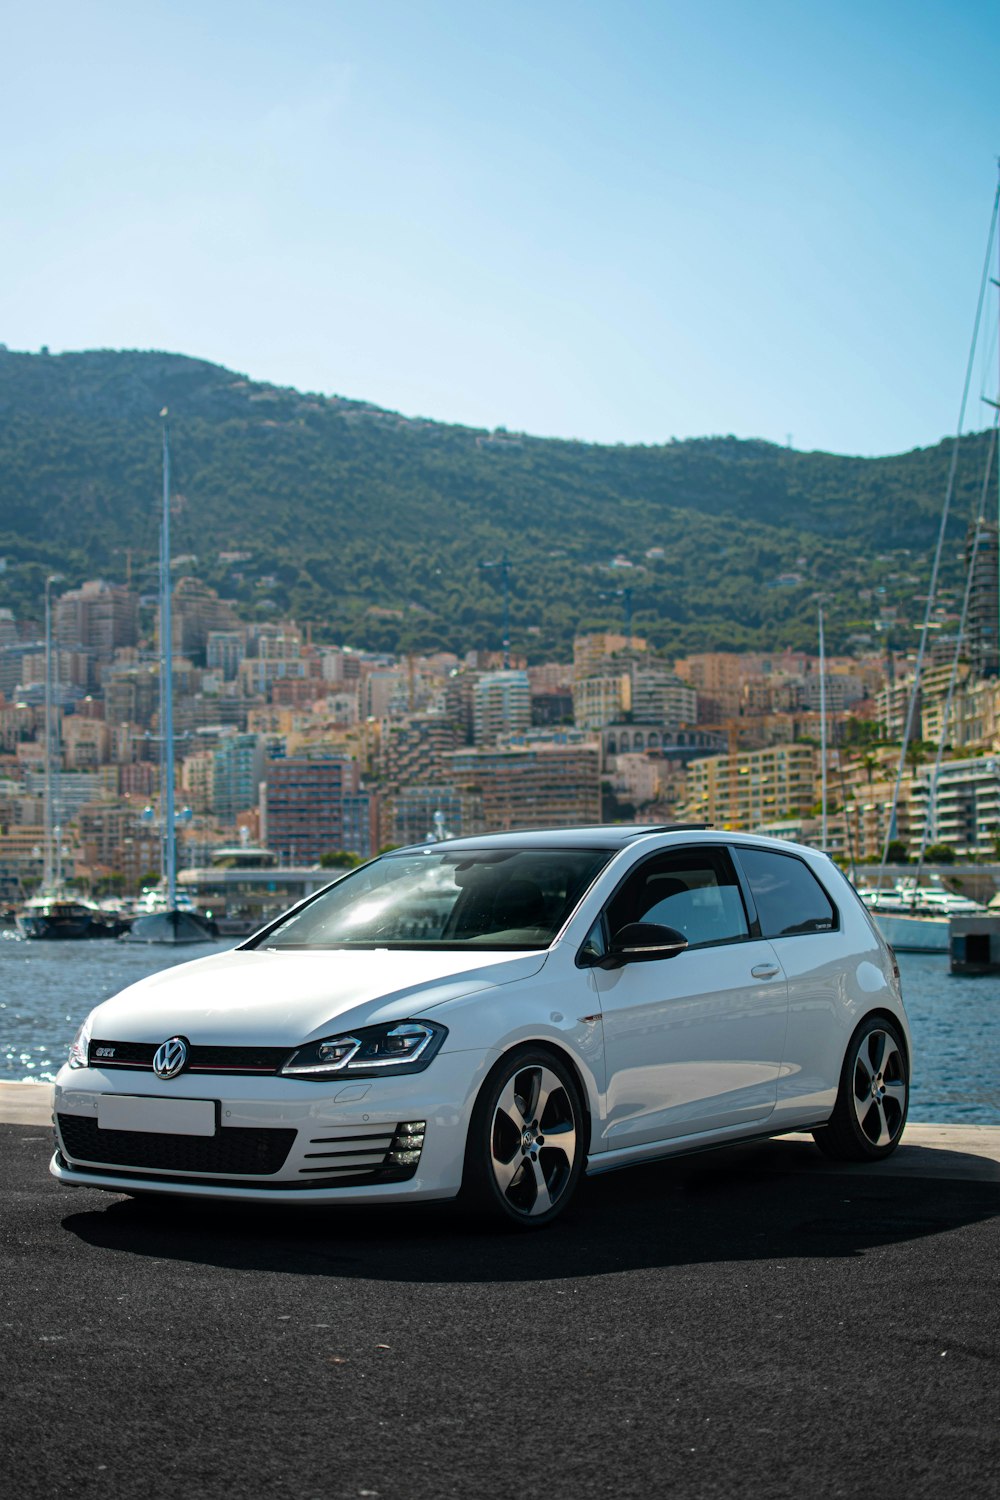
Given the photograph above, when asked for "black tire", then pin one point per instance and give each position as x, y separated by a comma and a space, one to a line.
872, 1101
522, 1162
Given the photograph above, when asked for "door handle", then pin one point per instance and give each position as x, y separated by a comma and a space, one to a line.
765, 971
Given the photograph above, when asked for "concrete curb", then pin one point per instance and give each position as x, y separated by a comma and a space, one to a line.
968, 1152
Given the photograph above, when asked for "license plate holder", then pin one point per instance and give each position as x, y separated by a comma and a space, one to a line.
150, 1116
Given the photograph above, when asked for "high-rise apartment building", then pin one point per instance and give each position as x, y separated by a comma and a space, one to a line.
316, 806
660, 697
237, 771
196, 610
758, 786
598, 701
593, 653
981, 638
411, 748
544, 786
224, 650
99, 616
501, 706
415, 813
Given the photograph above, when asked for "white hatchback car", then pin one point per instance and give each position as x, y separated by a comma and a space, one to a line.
491, 1017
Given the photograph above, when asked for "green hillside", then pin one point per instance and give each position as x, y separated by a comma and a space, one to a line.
372, 525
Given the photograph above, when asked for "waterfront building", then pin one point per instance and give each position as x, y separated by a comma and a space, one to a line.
964, 810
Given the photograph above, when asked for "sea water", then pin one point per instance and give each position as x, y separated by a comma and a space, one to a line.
48, 988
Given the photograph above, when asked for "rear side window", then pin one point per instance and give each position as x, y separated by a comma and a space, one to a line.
789, 898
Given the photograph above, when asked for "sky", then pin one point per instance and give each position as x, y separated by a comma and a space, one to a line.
619, 222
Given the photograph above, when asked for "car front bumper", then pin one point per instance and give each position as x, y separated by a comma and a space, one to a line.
275, 1139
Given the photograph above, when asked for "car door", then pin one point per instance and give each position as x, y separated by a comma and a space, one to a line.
803, 925
693, 1043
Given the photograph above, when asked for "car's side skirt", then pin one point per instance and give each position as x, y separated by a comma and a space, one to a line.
688, 1145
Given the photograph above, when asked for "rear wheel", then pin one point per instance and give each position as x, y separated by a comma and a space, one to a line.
526, 1146
872, 1101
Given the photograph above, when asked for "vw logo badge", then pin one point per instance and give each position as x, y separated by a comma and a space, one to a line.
170, 1057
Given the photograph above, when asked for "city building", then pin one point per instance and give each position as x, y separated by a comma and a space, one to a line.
982, 552
501, 706
224, 650
963, 805
660, 697
592, 654
598, 701
311, 806
754, 787
680, 745
99, 617
197, 610
416, 813
237, 771
548, 785
411, 749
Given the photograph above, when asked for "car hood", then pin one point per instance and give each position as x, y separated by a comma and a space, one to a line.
252, 997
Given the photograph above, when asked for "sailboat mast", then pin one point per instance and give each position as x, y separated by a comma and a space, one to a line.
166, 683
822, 724
47, 849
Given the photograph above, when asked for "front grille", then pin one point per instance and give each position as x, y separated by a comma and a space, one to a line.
356, 1154
138, 1056
234, 1151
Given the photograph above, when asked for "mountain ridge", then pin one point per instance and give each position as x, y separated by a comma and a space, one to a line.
346, 507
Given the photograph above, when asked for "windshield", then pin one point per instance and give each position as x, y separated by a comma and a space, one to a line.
516, 898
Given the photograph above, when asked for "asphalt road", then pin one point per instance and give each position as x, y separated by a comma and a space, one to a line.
754, 1323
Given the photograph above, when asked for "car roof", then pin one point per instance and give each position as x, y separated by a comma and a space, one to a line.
597, 836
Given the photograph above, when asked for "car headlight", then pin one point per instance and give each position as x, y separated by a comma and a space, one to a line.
401, 1047
79, 1052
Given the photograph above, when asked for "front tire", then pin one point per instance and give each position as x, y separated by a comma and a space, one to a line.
873, 1098
526, 1146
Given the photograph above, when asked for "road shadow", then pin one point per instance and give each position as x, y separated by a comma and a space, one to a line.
768, 1202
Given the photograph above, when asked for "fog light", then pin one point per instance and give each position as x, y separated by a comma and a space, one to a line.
407, 1144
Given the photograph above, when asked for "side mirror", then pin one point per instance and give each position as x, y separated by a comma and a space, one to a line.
642, 942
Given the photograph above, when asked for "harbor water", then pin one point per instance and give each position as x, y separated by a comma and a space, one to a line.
47, 990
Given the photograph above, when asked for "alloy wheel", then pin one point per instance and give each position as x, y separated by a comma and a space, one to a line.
533, 1141
879, 1088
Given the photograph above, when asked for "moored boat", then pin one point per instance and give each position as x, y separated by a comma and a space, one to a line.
915, 918
61, 918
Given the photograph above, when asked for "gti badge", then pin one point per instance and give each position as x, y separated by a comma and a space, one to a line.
170, 1057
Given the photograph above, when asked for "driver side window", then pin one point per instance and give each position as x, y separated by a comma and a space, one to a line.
694, 891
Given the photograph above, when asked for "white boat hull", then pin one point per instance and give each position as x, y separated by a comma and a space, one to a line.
913, 934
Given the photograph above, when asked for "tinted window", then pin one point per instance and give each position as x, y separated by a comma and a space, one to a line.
789, 897
512, 898
692, 890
